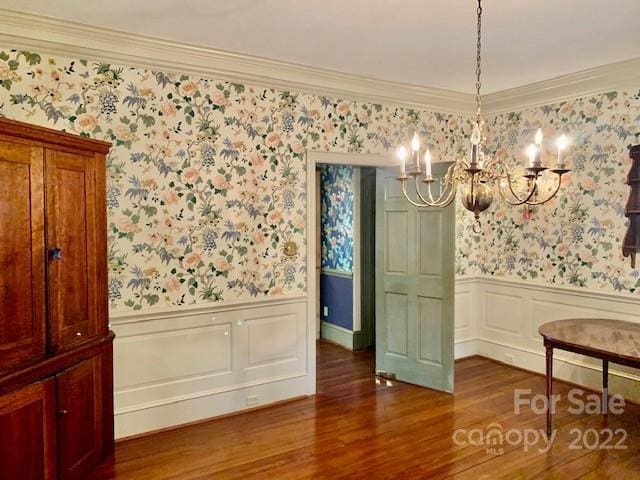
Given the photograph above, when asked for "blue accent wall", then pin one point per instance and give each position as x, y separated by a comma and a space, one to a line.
336, 292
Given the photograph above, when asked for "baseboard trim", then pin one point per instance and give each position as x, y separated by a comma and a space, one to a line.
338, 335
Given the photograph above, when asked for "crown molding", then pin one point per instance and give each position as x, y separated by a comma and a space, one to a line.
593, 81
77, 40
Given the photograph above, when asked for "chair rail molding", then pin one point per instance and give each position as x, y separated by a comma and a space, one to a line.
79, 40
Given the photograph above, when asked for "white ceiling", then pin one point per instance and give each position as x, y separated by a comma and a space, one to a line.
429, 43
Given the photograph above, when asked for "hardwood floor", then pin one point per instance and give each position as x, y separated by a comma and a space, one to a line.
354, 428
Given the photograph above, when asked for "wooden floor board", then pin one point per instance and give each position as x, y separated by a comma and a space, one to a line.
357, 429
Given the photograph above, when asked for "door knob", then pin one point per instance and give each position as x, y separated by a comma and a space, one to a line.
63, 412
55, 253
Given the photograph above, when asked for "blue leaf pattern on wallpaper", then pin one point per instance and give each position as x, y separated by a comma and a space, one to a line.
336, 197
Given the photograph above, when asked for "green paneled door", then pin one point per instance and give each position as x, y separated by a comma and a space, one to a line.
414, 286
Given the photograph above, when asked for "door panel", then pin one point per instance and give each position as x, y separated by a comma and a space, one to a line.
27, 426
71, 230
414, 286
22, 315
79, 420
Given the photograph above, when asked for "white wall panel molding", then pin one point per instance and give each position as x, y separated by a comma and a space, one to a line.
185, 365
77, 40
507, 330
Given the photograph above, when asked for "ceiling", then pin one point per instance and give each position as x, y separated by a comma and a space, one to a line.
429, 43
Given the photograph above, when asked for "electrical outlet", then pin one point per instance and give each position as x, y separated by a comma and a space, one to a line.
252, 400
325, 311
508, 358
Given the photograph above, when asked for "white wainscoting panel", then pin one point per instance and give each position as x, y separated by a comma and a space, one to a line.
499, 319
172, 367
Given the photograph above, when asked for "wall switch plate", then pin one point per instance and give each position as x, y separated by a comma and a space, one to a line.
252, 400
325, 311
508, 358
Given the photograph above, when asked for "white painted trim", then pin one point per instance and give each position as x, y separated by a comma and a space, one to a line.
592, 81
357, 279
77, 40
548, 288
337, 334
149, 314
313, 158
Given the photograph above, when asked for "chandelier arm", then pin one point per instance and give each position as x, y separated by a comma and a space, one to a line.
551, 195
412, 202
445, 198
519, 200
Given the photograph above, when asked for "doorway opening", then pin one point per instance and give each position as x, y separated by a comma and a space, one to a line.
345, 255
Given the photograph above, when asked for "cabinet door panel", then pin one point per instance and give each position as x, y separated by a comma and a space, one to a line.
22, 320
27, 423
71, 231
80, 417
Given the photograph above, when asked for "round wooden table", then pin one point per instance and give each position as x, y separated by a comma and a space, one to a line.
614, 341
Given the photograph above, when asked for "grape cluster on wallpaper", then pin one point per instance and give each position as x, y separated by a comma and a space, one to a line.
207, 178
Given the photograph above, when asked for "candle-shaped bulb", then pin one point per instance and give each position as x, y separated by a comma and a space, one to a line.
562, 142
475, 136
427, 163
531, 153
415, 142
538, 137
401, 153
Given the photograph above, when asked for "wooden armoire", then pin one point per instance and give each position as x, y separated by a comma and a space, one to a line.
56, 357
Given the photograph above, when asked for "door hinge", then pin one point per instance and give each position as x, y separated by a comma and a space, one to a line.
385, 375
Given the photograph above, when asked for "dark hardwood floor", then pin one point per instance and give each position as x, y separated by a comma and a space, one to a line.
354, 428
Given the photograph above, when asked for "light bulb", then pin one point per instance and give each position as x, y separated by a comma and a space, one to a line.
415, 142
475, 136
538, 137
531, 153
401, 153
562, 142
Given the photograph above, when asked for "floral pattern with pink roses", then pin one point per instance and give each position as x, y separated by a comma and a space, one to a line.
206, 178
576, 239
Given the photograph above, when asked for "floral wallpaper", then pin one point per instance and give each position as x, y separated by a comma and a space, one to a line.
336, 231
206, 178
576, 239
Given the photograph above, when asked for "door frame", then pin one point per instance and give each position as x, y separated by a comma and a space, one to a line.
314, 157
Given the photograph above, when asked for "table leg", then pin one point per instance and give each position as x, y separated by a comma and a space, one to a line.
549, 357
605, 387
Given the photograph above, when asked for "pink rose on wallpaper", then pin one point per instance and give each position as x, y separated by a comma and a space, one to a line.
191, 260
169, 109
221, 264
298, 147
343, 108
190, 174
275, 216
122, 132
85, 123
172, 284
273, 139
188, 88
329, 127
258, 238
125, 225
220, 182
170, 197
562, 249
256, 159
218, 98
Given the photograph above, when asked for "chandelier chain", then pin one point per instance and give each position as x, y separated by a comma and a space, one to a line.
478, 63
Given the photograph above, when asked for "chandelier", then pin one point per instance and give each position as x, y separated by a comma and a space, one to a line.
479, 176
